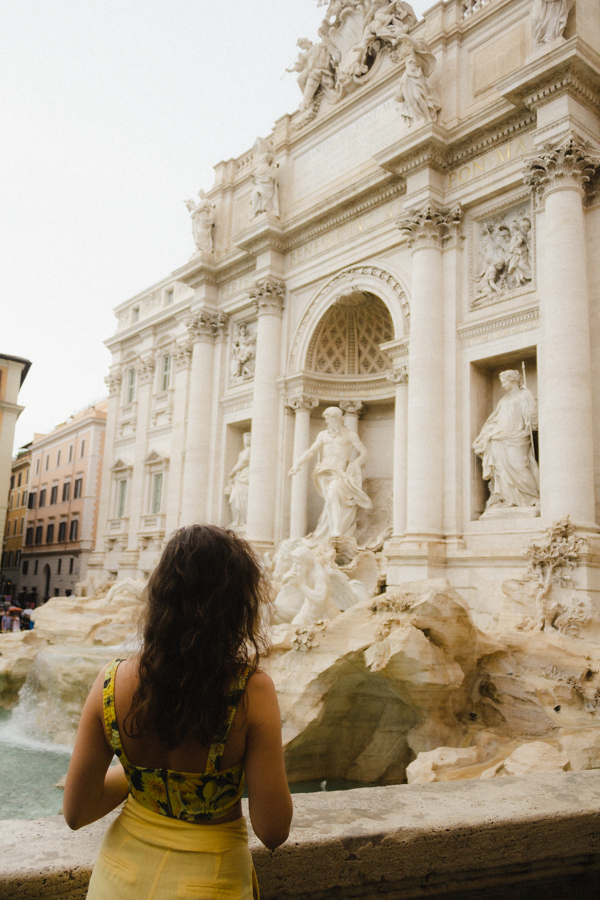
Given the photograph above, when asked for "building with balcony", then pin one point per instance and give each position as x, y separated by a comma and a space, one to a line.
14, 531
13, 372
62, 505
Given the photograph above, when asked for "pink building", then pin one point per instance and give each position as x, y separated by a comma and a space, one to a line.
62, 508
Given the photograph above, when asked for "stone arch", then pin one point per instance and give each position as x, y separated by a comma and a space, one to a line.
346, 341
369, 280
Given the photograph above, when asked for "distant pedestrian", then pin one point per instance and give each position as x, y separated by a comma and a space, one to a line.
16, 623
6, 622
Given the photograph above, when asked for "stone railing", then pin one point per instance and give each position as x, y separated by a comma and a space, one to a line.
470, 7
517, 837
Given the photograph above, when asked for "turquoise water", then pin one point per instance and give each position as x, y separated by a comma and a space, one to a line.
30, 770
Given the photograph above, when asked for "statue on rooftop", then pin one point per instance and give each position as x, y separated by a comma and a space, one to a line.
316, 67
549, 20
265, 190
203, 220
237, 486
416, 95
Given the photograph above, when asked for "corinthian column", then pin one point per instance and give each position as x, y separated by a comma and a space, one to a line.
267, 296
353, 410
399, 377
560, 174
203, 329
302, 406
182, 358
145, 376
426, 229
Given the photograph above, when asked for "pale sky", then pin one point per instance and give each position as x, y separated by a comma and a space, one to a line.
113, 113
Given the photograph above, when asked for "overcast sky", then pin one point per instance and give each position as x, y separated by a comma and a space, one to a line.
113, 113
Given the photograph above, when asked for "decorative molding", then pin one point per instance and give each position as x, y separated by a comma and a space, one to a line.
470, 150
145, 369
335, 389
207, 326
491, 330
267, 296
398, 376
353, 407
182, 355
302, 401
113, 382
237, 402
430, 225
565, 82
569, 164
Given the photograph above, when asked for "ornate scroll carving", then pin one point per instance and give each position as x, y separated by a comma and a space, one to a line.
267, 296
206, 326
571, 163
302, 401
113, 383
398, 376
427, 227
145, 369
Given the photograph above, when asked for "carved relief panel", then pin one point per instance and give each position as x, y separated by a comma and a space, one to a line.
242, 353
502, 254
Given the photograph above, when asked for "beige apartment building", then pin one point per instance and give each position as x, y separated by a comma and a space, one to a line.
14, 531
62, 505
13, 372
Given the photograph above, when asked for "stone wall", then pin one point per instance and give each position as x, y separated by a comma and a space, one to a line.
519, 838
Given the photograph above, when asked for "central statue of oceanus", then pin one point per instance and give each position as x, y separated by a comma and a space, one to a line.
337, 477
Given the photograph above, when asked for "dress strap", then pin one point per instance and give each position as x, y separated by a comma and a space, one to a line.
108, 706
215, 753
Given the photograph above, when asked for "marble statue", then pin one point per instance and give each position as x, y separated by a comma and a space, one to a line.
316, 67
337, 477
311, 587
243, 352
203, 220
505, 261
237, 486
417, 98
505, 445
549, 20
265, 190
390, 21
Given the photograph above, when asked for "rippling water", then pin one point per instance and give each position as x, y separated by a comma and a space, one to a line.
30, 768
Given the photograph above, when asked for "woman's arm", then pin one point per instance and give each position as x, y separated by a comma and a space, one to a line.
268, 792
92, 789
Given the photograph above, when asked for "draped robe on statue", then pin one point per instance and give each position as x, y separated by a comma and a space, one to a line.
343, 494
506, 451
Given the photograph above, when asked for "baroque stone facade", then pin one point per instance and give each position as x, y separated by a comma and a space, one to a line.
426, 221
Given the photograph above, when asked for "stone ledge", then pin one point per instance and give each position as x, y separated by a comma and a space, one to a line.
508, 837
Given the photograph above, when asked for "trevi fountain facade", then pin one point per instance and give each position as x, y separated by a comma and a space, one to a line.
380, 364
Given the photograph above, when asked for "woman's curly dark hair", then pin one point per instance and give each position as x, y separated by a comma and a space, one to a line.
202, 624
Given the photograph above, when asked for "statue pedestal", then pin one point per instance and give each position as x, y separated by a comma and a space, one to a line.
511, 512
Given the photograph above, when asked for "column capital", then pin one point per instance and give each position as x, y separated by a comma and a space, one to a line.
145, 369
430, 225
113, 383
206, 326
267, 296
568, 164
182, 355
398, 376
352, 407
302, 401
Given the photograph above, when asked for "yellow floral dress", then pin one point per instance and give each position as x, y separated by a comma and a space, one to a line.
186, 796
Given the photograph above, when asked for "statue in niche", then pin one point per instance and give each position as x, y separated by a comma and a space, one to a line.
506, 255
237, 486
417, 98
505, 445
243, 352
316, 67
265, 190
312, 586
549, 20
337, 478
203, 220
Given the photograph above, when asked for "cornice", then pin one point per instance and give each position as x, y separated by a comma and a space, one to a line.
499, 326
337, 388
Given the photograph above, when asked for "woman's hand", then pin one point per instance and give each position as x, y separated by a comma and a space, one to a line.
92, 788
